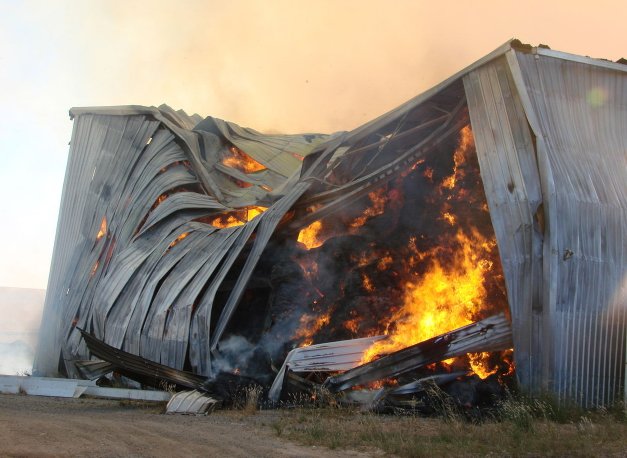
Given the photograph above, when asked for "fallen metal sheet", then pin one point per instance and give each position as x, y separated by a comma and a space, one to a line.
367, 399
191, 402
93, 370
327, 357
73, 388
492, 334
420, 385
141, 369
127, 393
371, 399
44, 386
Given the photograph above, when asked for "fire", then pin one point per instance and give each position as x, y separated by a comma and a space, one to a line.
352, 325
378, 199
309, 326
449, 217
385, 262
433, 270
310, 235
252, 212
178, 239
160, 199
103, 229
234, 218
459, 158
480, 365
242, 161
444, 285
367, 283
447, 296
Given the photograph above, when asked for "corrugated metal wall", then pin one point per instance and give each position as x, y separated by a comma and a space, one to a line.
512, 185
570, 322
96, 142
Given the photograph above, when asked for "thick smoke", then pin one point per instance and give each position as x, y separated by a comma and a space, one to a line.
20, 309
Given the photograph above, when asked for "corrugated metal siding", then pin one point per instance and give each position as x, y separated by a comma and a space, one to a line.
96, 141
579, 115
136, 285
510, 176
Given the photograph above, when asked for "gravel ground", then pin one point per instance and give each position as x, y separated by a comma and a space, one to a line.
41, 426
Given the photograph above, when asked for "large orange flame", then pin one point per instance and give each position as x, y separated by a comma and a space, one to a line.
447, 296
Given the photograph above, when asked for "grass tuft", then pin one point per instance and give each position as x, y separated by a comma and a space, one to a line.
520, 425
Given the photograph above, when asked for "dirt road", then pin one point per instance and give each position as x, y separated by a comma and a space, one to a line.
39, 426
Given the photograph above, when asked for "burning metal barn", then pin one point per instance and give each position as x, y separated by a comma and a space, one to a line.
478, 228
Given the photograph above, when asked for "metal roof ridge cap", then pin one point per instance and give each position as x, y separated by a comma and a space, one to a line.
595, 61
114, 110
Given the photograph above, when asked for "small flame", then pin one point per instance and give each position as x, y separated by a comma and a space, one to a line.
309, 326
103, 229
234, 218
480, 364
242, 161
160, 199
385, 262
450, 218
352, 325
367, 283
310, 235
178, 239
378, 200
459, 158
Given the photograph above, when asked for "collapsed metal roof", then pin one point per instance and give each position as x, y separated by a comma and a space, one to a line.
551, 134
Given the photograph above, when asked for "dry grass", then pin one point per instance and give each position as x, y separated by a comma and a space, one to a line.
249, 399
521, 427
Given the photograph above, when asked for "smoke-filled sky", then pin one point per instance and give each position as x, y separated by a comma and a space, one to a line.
288, 66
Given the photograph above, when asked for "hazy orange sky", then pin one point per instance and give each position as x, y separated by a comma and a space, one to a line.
288, 66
